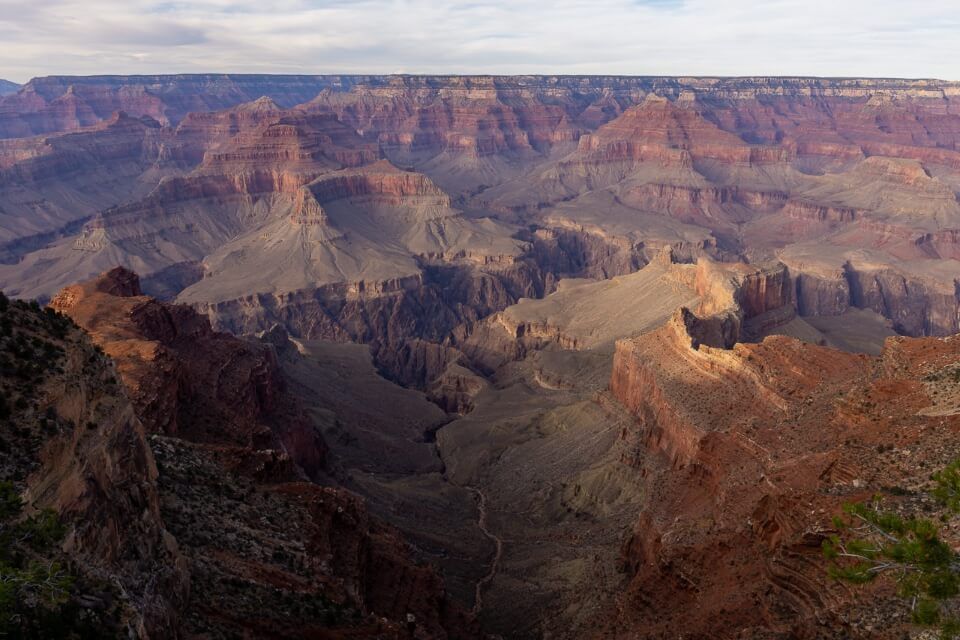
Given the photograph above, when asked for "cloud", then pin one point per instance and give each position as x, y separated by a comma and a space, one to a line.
632, 37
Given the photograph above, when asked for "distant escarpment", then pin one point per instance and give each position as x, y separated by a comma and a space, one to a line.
57, 103
918, 302
50, 185
65, 103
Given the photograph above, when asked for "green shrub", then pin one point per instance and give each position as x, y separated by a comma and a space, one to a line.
947, 491
35, 586
874, 542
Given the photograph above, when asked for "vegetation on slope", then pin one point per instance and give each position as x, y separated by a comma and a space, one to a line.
875, 540
42, 595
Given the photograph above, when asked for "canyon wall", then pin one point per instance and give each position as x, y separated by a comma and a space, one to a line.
917, 305
749, 451
73, 443
234, 451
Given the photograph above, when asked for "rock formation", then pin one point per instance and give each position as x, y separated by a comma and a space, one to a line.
611, 168
233, 454
72, 442
186, 380
762, 442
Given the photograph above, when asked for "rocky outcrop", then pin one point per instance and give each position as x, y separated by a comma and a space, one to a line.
741, 509
736, 301
72, 442
740, 302
267, 552
733, 302
187, 380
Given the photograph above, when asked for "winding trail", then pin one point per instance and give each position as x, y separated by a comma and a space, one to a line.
495, 564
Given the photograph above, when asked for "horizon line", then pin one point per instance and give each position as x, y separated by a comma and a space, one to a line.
487, 75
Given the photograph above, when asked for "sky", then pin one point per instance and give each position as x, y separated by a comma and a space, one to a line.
877, 38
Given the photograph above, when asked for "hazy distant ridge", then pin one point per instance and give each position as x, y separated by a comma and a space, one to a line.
7, 87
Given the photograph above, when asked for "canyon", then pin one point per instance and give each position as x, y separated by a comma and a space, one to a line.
521, 356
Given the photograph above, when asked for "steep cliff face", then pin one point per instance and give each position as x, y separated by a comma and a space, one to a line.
763, 442
584, 253
72, 442
185, 379
233, 452
391, 316
919, 301
918, 306
473, 116
740, 302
